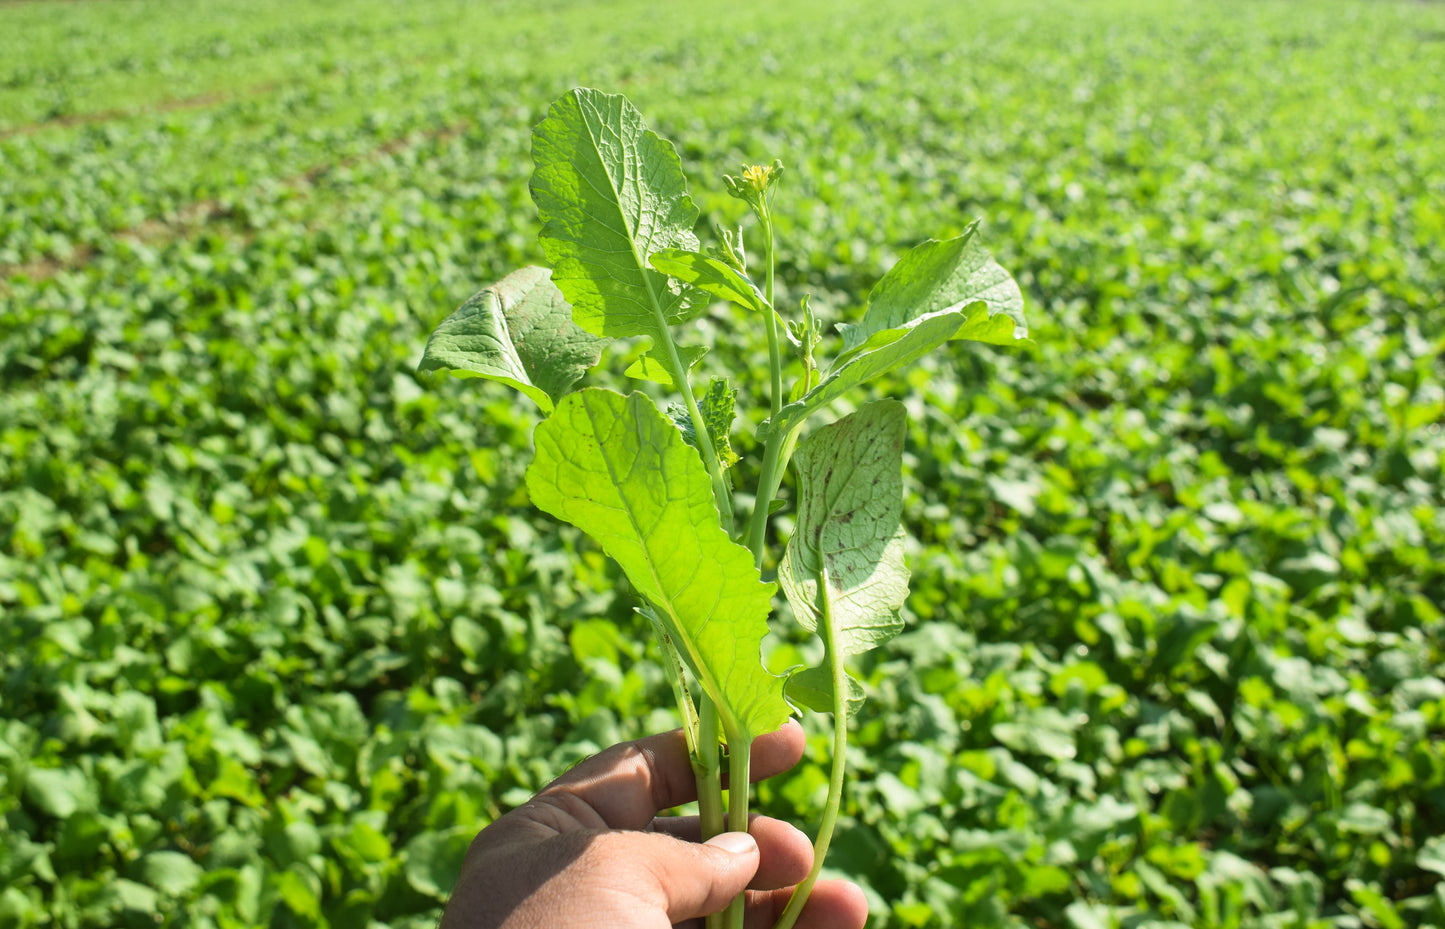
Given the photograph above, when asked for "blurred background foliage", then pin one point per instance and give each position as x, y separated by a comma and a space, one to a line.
279, 630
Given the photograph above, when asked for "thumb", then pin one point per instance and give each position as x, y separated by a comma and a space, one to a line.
686, 879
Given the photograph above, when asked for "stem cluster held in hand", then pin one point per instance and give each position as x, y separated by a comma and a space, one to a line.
653, 486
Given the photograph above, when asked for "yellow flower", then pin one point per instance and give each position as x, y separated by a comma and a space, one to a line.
758, 176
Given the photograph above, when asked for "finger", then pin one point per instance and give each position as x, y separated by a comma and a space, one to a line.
628, 783
682, 879
786, 853
835, 905
831, 905
775, 752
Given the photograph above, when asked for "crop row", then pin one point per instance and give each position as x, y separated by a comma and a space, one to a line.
281, 629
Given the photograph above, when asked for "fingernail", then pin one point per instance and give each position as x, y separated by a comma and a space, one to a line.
739, 843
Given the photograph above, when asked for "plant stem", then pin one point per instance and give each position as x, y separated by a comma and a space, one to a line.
835, 780
705, 447
775, 355
768, 479
708, 769
685, 707
777, 452
739, 761
739, 767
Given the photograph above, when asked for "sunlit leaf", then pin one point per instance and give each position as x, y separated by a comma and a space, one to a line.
617, 468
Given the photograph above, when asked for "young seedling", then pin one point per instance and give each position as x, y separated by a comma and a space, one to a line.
652, 487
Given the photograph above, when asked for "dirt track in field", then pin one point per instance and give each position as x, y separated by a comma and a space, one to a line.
28, 2
197, 215
196, 102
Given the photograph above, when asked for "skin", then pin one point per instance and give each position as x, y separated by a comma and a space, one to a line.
590, 850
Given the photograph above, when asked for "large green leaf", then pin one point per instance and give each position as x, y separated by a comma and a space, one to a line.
610, 193
616, 468
518, 331
939, 275
939, 291
843, 570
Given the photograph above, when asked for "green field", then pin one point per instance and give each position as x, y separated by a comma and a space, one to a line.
280, 630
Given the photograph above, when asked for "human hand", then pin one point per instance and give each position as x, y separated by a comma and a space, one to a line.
590, 850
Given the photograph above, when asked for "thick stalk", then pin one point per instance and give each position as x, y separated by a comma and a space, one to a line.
739, 762
835, 782
708, 768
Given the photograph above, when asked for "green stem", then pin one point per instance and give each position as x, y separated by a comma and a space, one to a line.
705, 447
768, 479
739, 761
708, 769
835, 781
679, 372
685, 707
776, 454
775, 354
739, 767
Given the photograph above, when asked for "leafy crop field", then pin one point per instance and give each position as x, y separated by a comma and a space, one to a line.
280, 629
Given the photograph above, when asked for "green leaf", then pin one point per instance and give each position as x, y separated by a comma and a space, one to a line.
813, 688
298, 894
518, 331
884, 352
433, 860
1431, 856
130, 895
956, 273
610, 193
843, 570
940, 291
718, 407
616, 468
1364, 819
60, 791
711, 276
368, 843
1379, 909
1040, 731
171, 873
648, 368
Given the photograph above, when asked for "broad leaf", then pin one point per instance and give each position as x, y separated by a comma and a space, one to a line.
711, 276
843, 570
518, 331
939, 291
616, 468
611, 193
940, 275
